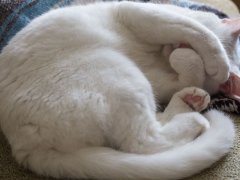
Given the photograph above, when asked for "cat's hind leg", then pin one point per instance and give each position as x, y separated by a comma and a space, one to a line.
179, 123
181, 120
184, 128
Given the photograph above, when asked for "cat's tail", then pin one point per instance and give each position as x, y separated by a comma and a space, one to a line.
106, 163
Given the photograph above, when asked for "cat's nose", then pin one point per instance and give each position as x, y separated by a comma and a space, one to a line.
231, 86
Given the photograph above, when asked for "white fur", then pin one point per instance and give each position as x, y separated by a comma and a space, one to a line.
78, 88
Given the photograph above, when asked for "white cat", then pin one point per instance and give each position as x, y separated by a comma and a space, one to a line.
78, 90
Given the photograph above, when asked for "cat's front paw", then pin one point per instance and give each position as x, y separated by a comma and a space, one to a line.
196, 98
188, 65
218, 69
222, 74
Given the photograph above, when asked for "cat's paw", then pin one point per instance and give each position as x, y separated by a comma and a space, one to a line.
185, 60
217, 67
189, 125
188, 65
194, 123
196, 98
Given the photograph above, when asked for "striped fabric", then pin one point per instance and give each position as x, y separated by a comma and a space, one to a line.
15, 14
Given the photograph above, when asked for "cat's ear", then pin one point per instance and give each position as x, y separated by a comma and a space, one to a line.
233, 25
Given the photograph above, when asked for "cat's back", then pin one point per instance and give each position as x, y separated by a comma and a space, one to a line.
53, 52
74, 26
56, 39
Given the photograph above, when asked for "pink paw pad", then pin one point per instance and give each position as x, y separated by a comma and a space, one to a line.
196, 102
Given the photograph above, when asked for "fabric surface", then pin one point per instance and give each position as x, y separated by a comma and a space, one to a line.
15, 14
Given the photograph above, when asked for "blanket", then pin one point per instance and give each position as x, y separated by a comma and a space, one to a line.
16, 14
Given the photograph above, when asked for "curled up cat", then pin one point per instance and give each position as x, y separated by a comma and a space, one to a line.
79, 86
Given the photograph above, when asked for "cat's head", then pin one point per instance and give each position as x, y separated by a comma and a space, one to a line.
228, 31
231, 42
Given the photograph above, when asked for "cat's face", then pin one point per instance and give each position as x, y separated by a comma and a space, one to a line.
232, 45
228, 31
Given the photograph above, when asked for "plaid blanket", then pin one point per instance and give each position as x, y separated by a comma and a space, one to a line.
16, 14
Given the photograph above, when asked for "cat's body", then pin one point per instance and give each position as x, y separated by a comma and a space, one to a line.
79, 82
